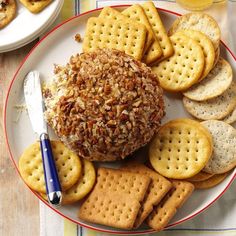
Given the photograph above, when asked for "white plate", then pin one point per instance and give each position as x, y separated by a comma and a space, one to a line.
27, 26
50, 50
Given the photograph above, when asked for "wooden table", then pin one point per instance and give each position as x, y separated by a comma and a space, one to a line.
19, 208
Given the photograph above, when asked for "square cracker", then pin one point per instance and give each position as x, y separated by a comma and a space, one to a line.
115, 200
109, 208
137, 13
115, 34
37, 6
115, 180
158, 188
111, 13
160, 33
166, 209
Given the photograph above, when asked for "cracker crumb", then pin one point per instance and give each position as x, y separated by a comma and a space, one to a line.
78, 38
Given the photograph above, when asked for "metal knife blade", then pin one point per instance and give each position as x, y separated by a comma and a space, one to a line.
34, 102
35, 105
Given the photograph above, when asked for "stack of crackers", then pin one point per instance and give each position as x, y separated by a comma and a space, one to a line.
213, 94
201, 153
196, 52
134, 194
138, 31
76, 177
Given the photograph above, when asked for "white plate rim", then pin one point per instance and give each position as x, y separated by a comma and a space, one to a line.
36, 33
35, 36
145, 231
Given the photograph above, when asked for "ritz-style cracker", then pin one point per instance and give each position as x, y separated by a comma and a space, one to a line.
67, 163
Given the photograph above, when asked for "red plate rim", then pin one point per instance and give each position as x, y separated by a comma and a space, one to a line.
39, 197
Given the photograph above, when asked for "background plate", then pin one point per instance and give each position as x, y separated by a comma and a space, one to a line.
27, 26
57, 47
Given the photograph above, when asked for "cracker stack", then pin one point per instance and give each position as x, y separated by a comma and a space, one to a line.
138, 31
160, 34
31, 167
167, 208
200, 153
77, 177
216, 108
215, 96
157, 190
126, 197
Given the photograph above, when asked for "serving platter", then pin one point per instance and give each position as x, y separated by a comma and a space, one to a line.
57, 47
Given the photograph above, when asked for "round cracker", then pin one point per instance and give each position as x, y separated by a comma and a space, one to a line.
217, 82
83, 186
210, 182
180, 149
217, 56
184, 68
231, 118
215, 108
9, 11
201, 22
67, 163
207, 48
224, 142
196, 124
201, 176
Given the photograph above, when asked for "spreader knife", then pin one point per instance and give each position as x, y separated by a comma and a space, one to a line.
35, 106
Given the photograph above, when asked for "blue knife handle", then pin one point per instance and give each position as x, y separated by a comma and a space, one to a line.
53, 186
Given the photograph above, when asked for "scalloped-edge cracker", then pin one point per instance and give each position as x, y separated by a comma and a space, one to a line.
180, 149
217, 56
201, 176
67, 163
216, 82
198, 21
207, 48
184, 68
224, 141
85, 184
215, 108
210, 182
231, 118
